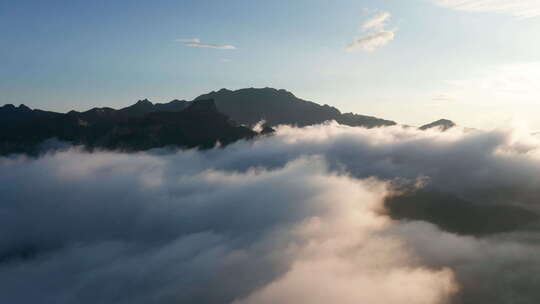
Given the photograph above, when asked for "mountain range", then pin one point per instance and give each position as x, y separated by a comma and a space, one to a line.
222, 116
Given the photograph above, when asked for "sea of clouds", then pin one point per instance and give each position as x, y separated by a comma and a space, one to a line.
297, 217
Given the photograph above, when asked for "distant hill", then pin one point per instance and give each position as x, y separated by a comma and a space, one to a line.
12, 115
442, 124
458, 215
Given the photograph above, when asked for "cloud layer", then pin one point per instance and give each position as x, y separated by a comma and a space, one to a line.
518, 8
295, 217
196, 42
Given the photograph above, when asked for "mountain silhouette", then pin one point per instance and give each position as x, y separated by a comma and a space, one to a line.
275, 107
143, 107
214, 117
441, 124
198, 125
12, 115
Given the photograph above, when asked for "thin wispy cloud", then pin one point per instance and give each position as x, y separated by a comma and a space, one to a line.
196, 42
443, 98
372, 41
377, 21
375, 34
517, 8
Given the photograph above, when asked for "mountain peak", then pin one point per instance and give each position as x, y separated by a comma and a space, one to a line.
23, 107
249, 106
267, 90
442, 124
12, 108
144, 102
8, 106
252, 90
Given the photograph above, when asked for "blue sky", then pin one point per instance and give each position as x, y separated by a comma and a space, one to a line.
476, 61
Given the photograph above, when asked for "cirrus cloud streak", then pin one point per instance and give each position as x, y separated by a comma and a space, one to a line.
196, 42
521, 8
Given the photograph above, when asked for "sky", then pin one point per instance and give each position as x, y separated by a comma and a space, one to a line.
476, 62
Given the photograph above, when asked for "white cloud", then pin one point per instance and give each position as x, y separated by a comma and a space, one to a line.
377, 21
298, 217
376, 36
372, 41
173, 228
518, 8
196, 42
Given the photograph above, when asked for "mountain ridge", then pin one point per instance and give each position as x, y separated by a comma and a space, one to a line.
278, 106
219, 116
251, 105
199, 125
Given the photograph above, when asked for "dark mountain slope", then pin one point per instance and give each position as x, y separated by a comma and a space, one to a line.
143, 107
249, 106
199, 125
11, 115
145, 125
357, 120
137, 110
457, 215
441, 124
